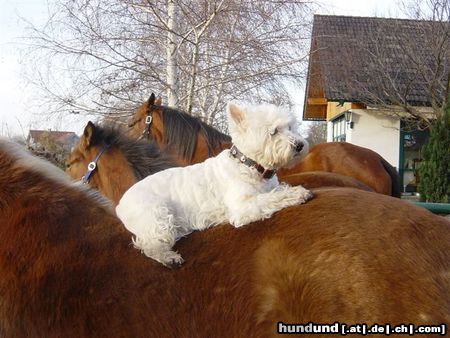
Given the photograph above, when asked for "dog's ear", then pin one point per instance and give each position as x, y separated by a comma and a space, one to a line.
88, 133
236, 116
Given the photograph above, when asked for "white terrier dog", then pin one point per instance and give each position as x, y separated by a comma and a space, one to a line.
237, 186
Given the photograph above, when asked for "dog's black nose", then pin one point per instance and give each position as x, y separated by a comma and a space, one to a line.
298, 146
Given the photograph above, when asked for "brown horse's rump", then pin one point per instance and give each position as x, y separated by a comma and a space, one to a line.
68, 269
350, 160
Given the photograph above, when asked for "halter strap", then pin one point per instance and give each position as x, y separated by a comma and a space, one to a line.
93, 165
148, 122
266, 173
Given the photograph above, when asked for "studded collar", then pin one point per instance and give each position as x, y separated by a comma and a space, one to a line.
266, 173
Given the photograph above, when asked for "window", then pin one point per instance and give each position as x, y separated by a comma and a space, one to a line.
411, 142
339, 127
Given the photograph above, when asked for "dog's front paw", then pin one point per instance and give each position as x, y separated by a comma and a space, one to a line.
303, 195
174, 260
236, 222
240, 220
170, 259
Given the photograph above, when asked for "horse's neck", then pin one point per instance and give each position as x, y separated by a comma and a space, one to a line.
201, 150
116, 178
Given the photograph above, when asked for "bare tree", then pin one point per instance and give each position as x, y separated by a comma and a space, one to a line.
106, 57
317, 133
397, 66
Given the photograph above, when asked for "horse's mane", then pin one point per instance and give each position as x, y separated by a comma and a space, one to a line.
144, 157
24, 160
181, 131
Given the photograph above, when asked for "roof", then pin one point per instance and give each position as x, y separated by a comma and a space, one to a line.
62, 137
363, 59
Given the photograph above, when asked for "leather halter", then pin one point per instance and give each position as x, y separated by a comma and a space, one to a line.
266, 173
93, 165
148, 123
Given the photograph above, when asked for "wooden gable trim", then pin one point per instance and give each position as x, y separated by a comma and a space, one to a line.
315, 107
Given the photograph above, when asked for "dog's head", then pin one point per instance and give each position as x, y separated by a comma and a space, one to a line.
267, 134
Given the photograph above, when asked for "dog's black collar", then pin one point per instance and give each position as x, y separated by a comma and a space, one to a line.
266, 173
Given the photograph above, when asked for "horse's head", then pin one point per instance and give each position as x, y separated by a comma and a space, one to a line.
146, 122
96, 161
78, 160
186, 137
111, 162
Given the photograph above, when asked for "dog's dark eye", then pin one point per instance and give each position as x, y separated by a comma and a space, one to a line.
273, 131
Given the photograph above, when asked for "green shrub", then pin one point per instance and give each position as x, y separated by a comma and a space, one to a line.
434, 171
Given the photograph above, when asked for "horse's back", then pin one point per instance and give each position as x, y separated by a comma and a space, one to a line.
369, 259
68, 268
350, 160
347, 255
319, 179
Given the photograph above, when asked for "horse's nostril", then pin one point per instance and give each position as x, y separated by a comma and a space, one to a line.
298, 146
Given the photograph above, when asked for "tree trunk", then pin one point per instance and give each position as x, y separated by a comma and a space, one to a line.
171, 55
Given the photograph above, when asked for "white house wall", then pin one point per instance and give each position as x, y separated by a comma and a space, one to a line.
378, 132
374, 131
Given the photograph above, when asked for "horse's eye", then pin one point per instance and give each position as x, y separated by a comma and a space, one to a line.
273, 131
71, 162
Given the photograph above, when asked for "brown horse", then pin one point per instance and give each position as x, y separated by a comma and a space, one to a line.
124, 161
112, 174
350, 160
186, 137
192, 141
68, 270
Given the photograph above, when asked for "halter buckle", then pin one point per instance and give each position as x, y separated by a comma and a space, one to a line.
92, 166
148, 119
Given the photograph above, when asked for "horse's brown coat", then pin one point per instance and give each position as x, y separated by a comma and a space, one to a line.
318, 179
350, 160
337, 157
68, 270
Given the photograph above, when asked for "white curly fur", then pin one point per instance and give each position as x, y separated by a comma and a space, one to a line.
172, 203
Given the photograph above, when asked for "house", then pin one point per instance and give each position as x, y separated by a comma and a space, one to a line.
54, 146
44, 139
370, 80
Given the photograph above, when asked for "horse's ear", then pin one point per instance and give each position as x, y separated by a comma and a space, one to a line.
151, 99
88, 132
158, 101
236, 116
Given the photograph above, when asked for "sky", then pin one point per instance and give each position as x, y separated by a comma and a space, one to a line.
17, 104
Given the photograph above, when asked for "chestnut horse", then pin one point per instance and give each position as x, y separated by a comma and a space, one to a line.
186, 137
68, 270
126, 161
191, 141
112, 175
